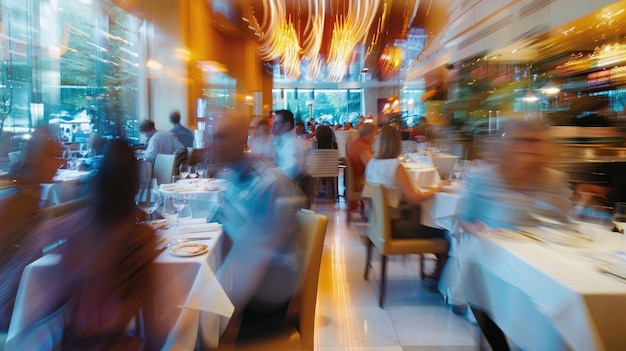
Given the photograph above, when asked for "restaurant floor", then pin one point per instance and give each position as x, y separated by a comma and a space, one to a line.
348, 317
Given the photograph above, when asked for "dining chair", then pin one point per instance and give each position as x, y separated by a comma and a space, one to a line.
351, 193
164, 168
380, 235
324, 163
297, 330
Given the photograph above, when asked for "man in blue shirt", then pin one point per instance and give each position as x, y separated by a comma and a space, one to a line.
182, 133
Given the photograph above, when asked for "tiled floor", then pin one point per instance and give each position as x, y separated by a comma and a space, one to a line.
348, 316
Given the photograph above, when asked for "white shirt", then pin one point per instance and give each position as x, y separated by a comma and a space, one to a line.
290, 154
161, 142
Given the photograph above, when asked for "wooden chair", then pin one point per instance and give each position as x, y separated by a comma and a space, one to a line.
324, 163
297, 331
164, 168
380, 235
351, 193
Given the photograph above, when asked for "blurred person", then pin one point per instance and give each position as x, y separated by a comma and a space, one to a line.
158, 141
182, 133
386, 168
260, 269
520, 181
107, 264
360, 153
19, 208
325, 138
289, 152
300, 129
360, 123
261, 140
347, 126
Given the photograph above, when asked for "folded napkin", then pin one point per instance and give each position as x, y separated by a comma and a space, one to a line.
178, 187
189, 221
199, 228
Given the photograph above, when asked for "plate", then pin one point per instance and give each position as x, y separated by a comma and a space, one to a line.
189, 249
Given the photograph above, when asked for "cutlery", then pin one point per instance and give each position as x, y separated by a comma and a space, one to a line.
200, 238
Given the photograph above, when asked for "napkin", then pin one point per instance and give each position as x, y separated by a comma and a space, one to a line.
199, 228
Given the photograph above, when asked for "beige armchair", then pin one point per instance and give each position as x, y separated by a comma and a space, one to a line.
380, 235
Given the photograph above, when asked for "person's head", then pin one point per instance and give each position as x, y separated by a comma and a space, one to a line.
229, 136
116, 182
388, 143
368, 132
422, 120
300, 128
146, 127
175, 117
283, 122
526, 143
41, 160
347, 126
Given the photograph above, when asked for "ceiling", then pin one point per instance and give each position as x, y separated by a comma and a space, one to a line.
372, 56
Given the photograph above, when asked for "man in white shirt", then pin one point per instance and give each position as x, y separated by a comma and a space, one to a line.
159, 142
289, 151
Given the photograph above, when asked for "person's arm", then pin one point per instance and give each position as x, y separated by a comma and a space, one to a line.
406, 186
365, 155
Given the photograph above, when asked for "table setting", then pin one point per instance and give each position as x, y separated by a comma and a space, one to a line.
67, 185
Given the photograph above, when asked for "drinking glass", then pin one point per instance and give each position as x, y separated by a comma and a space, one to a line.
202, 170
85, 150
149, 199
592, 219
170, 212
183, 170
192, 172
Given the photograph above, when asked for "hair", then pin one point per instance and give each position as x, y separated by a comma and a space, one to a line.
175, 117
388, 143
116, 182
287, 117
146, 125
366, 129
324, 136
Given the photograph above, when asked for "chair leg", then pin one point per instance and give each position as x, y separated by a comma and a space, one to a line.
368, 257
349, 215
383, 280
422, 274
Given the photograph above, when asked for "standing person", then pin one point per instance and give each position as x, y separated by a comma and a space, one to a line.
386, 168
261, 268
182, 133
159, 142
289, 151
360, 123
359, 154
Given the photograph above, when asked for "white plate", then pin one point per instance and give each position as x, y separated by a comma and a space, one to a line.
189, 249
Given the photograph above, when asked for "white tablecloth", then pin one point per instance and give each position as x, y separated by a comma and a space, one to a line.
67, 186
188, 284
202, 195
422, 174
546, 297
443, 162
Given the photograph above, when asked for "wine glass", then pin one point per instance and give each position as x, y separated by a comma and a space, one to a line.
192, 172
183, 170
149, 199
170, 212
84, 150
592, 219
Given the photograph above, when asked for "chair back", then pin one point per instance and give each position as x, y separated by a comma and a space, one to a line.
181, 157
323, 163
195, 156
351, 193
379, 230
163, 169
303, 302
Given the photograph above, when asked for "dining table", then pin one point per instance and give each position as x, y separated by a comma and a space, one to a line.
547, 288
201, 194
422, 174
67, 184
187, 294
443, 162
